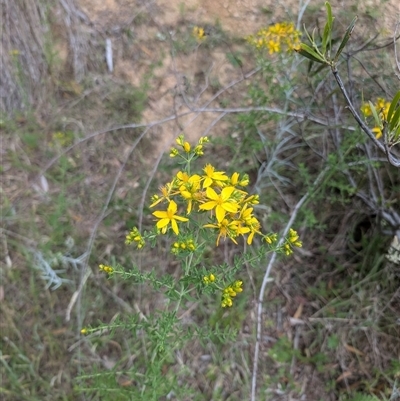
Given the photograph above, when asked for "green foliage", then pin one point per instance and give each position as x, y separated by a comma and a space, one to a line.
363, 397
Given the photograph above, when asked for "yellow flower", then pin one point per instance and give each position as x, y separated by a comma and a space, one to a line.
230, 292
203, 139
166, 192
182, 177
294, 238
180, 140
252, 224
275, 37
382, 107
366, 109
222, 203
173, 152
377, 131
226, 301
252, 200
169, 217
384, 110
212, 176
226, 229
237, 286
199, 33
198, 150
273, 47
269, 239
135, 236
209, 279
189, 190
246, 213
380, 103
235, 179
105, 268
287, 249
243, 182
240, 230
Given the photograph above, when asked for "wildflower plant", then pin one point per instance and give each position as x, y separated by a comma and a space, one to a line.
199, 33
196, 209
277, 38
386, 116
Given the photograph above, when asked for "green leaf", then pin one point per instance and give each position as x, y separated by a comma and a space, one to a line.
325, 38
395, 120
393, 105
396, 135
375, 114
308, 35
346, 38
329, 14
327, 35
309, 53
313, 37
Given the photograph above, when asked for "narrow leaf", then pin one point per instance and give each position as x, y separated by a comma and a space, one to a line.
375, 114
396, 136
325, 38
311, 54
329, 15
393, 105
308, 35
395, 120
346, 38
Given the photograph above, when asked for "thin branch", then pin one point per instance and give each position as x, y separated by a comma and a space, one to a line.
267, 279
395, 49
383, 147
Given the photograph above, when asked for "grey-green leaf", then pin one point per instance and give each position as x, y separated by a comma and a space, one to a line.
393, 105
346, 38
309, 53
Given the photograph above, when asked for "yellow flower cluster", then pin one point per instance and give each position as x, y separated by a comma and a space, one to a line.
231, 292
276, 38
292, 241
62, 139
228, 204
271, 238
209, 279
182, 246
105, 268
135, 236
382, 107
197, 151
198, 33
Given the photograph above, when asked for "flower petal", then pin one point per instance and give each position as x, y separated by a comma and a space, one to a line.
208, 205
211, 194
172, 207
175, 227
230, 207
180, 218
162, 223
220, 212
161, 214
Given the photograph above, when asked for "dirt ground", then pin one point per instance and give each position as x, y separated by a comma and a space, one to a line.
238, 17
